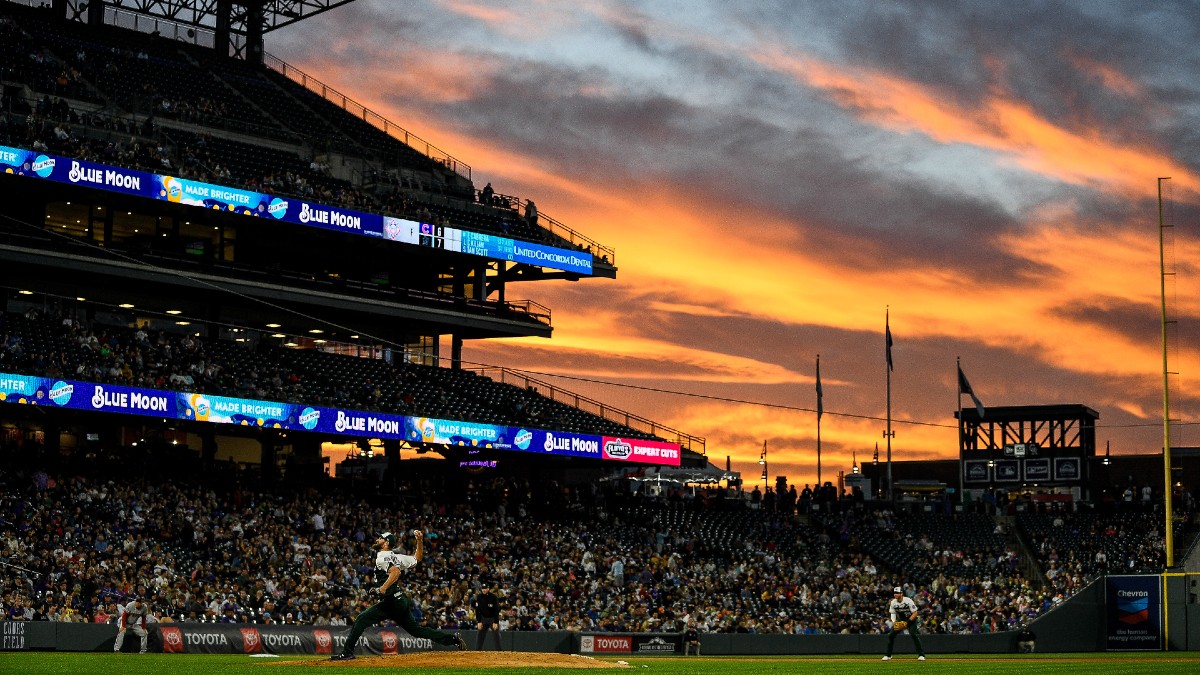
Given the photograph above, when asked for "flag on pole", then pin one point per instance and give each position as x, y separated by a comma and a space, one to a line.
964, 387
887, 332
820, 394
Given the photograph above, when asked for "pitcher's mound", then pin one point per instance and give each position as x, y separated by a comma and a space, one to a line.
479, 660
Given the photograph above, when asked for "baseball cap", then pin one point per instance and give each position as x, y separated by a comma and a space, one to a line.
389, 537
897, 590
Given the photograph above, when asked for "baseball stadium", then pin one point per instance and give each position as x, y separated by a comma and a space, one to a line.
236, 416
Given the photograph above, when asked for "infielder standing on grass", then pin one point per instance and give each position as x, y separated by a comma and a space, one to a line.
395, 604
132, 617
904, 615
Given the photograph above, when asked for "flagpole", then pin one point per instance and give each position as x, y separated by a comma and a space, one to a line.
887, 327
961, 427
820, 409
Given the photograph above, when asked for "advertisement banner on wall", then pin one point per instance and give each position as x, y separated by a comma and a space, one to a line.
235, 201
1037, 469
190, 406
639, 450
1134, 610
976, 471
191, 638
1067, 469
1008, 470
631, 643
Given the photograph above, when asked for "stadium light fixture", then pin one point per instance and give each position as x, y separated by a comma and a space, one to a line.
183, 323
23, 292
174, 311
125, 305
80, 299
278, 335
273, 325
316, 331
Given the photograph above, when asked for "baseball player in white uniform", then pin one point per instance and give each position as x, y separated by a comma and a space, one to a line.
133, 617
395, 603
904, 609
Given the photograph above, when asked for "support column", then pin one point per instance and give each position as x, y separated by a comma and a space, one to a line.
267, 468
391, 451
456, 345
208, 447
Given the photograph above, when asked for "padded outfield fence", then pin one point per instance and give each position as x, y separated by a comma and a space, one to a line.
1116, 613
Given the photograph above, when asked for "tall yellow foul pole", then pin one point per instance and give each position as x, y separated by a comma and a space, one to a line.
1162, 277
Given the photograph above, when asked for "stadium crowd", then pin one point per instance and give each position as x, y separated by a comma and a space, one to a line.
600, 557
48, 342
596, 558
53, 126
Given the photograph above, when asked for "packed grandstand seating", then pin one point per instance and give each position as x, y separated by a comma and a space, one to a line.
47, 344
600, 556
113, 96
964, 544
207, 544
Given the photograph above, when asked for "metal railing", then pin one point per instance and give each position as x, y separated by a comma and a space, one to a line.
519, 206
594, 407
367, 115
603, 253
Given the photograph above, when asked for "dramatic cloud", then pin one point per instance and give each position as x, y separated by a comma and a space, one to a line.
775, 176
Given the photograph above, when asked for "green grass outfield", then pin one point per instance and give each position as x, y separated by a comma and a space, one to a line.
979, 664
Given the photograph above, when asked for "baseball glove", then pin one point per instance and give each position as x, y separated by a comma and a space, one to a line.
900, 625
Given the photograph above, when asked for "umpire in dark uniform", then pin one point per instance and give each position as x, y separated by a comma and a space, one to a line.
487, 616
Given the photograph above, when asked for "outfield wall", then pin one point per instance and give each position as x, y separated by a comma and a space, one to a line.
1085, 623
239, 639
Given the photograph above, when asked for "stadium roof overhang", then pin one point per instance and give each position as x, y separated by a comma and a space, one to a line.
117, 281
275, 14
240, 24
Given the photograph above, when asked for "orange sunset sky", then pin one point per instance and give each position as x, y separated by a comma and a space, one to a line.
775, 176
